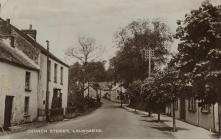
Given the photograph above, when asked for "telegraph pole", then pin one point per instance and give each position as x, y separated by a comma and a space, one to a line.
148, 53
149, 57
47, 85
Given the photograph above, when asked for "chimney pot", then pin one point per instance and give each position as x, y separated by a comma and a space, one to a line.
8, 21
30, 27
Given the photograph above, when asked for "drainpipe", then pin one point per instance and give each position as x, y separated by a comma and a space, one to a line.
47, 85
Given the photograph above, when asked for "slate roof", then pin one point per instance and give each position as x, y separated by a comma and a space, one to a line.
14, 56
37, 45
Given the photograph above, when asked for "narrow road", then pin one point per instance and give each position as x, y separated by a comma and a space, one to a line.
109, 121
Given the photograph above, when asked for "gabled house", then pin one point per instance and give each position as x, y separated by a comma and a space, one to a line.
25, 41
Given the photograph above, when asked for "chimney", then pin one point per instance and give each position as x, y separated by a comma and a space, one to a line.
5, 27
30, 32
7, 22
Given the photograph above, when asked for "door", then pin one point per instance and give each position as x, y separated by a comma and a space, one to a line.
8, 111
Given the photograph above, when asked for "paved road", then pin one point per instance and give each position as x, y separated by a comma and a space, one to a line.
109, 121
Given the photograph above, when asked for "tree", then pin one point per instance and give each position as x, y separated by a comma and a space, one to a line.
87, 50
75, 77
96, 71
129, 63
134, 91
154, 90
146, 89
199, 49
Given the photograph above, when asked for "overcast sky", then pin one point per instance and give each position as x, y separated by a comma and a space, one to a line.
62, 21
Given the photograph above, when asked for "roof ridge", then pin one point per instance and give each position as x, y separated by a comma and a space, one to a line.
34, 43
16, 56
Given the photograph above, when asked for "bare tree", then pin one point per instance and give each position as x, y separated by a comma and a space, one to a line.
87, 51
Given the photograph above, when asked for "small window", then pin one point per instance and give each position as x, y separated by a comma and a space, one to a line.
205, 108
192, 104
27, 81
61, 75
26, 109
55, 73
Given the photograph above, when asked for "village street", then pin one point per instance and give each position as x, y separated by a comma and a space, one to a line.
110, 120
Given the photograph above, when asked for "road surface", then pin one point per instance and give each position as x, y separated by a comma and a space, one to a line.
108, 121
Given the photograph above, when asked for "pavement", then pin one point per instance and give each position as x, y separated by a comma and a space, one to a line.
108, 121
184, 130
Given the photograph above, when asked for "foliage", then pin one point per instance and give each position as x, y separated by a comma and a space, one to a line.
133, 91
129, 63
199, 49
95, 71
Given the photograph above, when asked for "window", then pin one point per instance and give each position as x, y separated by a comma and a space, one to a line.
49, 69
27, 81
26, 109
192, 104
205, 108
61, 75
55, 73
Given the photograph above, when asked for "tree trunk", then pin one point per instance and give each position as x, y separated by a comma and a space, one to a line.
158, 116
174, 119
149, 113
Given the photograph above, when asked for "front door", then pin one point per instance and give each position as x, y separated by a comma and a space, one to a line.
8, 111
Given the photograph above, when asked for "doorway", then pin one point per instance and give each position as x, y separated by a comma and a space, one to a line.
8, 111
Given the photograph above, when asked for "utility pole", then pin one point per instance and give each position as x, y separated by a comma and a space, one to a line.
148, 54
47, 85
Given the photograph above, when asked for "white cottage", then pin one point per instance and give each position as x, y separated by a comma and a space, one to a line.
25, 41
18, 86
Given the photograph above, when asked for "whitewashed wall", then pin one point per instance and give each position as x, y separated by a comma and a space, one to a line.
52, 85
12, 83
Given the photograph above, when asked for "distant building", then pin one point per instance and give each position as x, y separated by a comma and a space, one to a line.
25, 41
116, 91
105, 88
90, 91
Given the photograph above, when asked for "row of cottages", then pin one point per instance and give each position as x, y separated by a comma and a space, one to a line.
23, 84
190, 111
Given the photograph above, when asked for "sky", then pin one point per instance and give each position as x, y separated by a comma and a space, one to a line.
62, 21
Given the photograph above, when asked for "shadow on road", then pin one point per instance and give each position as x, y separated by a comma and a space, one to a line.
169, 129
156, 121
